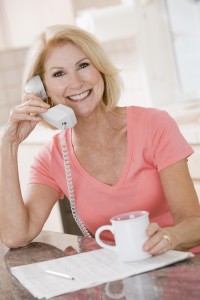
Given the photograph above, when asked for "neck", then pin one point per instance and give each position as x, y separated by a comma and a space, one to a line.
100, 127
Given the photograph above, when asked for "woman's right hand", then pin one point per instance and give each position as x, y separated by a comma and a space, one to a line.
23, 119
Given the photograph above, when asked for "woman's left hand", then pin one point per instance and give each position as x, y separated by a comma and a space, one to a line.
160, 239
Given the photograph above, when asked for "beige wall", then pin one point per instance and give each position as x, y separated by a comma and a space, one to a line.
21, 20
85, 4
11, 66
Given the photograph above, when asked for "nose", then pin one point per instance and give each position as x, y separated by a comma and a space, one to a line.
74, 80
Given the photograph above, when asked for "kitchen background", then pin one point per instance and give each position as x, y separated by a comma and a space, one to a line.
155, 43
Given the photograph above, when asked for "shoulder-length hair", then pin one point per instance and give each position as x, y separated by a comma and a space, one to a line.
60, 34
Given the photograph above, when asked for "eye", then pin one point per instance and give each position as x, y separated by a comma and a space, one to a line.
83, 65
58, 74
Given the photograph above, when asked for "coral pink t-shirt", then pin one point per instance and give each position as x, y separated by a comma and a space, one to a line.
154, 143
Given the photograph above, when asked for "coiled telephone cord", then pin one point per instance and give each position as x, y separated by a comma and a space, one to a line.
70, 186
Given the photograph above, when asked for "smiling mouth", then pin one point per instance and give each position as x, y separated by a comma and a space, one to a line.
80, 97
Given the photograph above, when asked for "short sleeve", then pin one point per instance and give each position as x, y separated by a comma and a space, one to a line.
168, 144
41, 169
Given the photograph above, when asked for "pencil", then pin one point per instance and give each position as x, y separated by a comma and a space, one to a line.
58, 274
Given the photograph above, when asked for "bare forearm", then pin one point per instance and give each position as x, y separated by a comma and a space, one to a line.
187, 234
13, 214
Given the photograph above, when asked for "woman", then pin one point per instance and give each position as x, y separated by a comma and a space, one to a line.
121, 158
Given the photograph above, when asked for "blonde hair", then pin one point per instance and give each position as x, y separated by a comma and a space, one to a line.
60, 34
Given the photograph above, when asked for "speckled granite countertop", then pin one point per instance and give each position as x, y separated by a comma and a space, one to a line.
178, 281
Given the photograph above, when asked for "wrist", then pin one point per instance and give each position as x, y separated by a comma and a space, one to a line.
8, 147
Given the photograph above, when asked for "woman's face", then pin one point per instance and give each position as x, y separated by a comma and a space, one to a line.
71, 79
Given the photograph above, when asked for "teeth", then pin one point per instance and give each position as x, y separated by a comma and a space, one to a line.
80, 96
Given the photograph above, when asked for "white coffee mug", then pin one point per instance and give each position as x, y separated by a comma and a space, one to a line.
129, 230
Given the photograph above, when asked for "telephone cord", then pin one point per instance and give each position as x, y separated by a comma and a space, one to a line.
70, 187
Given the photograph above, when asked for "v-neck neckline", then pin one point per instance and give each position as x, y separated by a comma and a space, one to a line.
99, 184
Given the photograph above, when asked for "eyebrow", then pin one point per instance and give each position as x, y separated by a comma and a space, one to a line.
78, 62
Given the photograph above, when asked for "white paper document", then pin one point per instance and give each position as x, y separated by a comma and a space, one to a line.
88, 269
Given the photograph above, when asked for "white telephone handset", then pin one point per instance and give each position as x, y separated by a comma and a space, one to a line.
59, 116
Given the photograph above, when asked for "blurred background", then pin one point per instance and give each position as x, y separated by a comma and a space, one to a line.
155, 43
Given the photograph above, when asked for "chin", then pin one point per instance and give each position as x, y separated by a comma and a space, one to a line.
84, 113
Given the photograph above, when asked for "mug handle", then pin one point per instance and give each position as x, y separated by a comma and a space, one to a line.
99, 241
